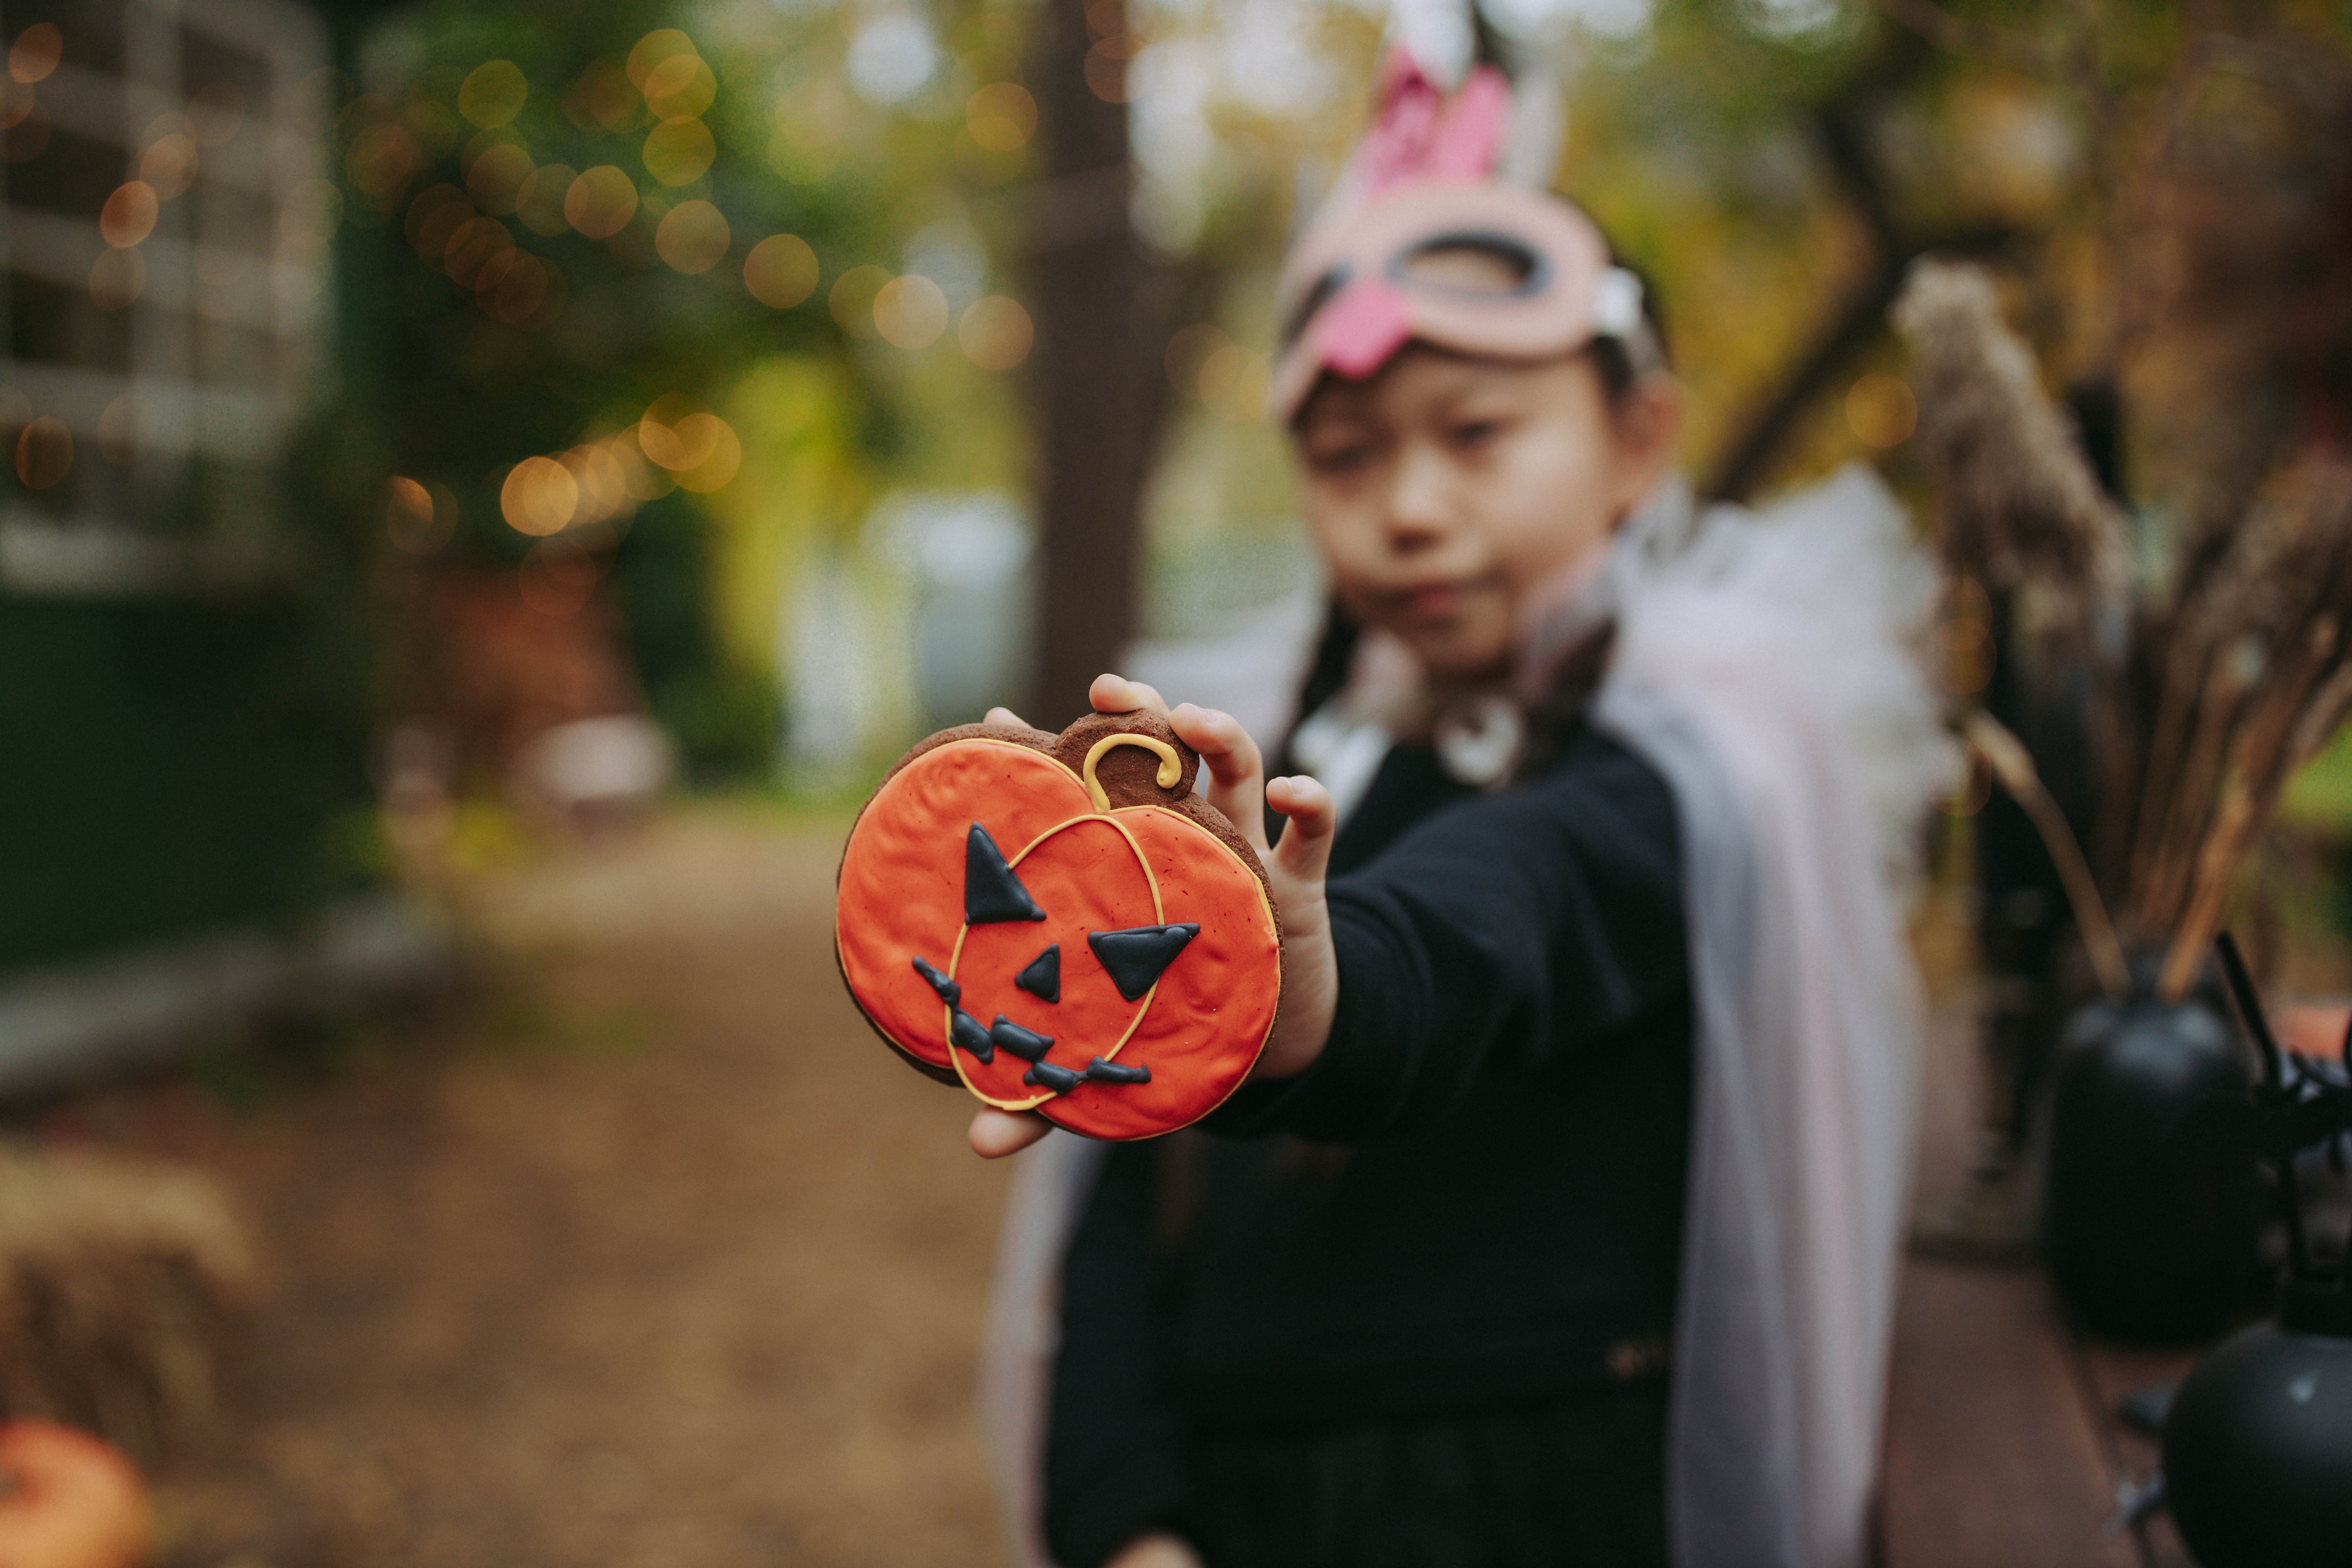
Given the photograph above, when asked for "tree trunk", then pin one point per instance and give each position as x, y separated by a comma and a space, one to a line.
1094, 366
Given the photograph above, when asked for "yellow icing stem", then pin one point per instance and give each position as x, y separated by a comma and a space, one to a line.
1172, 767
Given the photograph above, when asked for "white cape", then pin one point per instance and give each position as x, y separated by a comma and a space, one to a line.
1766, 671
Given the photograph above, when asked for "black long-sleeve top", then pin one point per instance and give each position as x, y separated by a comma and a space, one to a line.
1472, 1200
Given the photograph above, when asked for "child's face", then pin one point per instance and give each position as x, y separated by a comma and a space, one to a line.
1443, 489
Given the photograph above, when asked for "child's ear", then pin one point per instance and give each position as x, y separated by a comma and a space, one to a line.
1649, 425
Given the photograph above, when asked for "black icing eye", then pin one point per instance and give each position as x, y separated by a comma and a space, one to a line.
1318, 297
1135, 958
990, 891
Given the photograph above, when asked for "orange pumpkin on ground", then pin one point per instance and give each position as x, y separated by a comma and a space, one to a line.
70, 1500
1058, 923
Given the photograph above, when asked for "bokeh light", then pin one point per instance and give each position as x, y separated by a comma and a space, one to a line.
1002, 116
538, 200
539, 497
169, 161
1107, 66
497, 176
1881, 410
603, 484
472, 247
1235, 382
892, 56
45, 452
696, 447
693, 237
679, 86
679, 151
519, 289
35, 53
383, 160
661, 43
493, 94
996, 332
852, 298
911, 312
644, 478
601, 202
117, 278
416, 523
128, 215
780, 271
723, 455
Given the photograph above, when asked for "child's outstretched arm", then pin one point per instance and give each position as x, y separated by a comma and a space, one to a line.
1294, 873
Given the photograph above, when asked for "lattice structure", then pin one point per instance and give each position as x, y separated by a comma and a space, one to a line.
166, 239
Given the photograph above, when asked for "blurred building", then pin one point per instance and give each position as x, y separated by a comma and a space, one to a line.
183, 663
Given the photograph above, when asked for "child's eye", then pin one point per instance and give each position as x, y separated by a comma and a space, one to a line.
1341, 457
1474, 433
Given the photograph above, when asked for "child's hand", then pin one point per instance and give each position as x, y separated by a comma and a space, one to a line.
1294, 873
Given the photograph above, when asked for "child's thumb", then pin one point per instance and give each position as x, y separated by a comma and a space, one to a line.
1305, 851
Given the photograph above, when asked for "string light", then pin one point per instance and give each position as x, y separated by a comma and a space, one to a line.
911, 312
780, 271
995, 333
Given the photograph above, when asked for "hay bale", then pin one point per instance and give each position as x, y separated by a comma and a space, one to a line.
120, 1282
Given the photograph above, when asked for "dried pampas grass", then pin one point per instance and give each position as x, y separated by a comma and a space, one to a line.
2257, 680
119, 1282
2022, 512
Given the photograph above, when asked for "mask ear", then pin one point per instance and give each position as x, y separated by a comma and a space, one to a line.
1530, 154
1420, 134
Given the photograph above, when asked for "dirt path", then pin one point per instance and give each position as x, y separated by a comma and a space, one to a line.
647, 1255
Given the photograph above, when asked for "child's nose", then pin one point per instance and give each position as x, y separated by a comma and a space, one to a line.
1422, 501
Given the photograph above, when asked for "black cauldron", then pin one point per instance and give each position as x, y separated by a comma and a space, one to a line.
2150, 1234
2258, 1444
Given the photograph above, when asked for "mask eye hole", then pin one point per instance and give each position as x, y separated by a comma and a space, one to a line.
1327, 285
1475, 264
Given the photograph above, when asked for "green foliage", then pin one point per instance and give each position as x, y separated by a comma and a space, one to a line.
724, 715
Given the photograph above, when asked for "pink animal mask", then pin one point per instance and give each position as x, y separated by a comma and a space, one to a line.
1358, 286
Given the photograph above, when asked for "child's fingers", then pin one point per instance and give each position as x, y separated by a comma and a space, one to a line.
1306, 848
1006, 716
995, 1134
1236, 771
1118, 694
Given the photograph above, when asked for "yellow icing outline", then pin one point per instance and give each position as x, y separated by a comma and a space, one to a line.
1172, 766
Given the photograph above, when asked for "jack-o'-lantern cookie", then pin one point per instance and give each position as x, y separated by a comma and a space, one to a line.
1060, 924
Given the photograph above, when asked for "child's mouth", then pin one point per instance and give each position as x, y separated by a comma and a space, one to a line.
1431, 601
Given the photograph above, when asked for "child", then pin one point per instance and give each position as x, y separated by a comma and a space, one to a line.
1557, 1223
